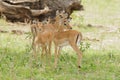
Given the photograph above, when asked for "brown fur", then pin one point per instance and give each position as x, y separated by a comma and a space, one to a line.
45, 36
59, 35
67, 38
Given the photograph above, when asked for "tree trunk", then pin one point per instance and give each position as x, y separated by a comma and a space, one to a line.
19, 10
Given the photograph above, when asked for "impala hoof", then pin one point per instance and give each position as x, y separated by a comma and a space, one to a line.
79, 66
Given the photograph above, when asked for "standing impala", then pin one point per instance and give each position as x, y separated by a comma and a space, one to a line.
69, 37
62, 37
43, 34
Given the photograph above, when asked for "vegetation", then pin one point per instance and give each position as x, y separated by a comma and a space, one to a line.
16, 63
101, 53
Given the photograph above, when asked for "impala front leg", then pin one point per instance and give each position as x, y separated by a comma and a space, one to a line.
34, 50
56, 56
49, 51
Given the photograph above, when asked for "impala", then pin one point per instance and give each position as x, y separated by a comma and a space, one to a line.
62, 38
65, 36
43, 34
69, 37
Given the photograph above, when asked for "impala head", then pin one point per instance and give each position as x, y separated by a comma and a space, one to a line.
39, 27
64, 15
62, 21
65, 20
61, 14
66, 24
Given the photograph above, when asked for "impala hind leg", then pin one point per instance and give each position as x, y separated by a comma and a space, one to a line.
43, 55
57, 53
44, 50
79, 53
49, 49
34, 47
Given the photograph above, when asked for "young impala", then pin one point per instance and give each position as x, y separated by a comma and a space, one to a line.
43, 34
67, 37
61, 37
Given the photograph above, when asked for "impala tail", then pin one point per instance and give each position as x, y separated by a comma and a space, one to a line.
78, 39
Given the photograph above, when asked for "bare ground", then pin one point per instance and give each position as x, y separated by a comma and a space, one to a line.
104, 37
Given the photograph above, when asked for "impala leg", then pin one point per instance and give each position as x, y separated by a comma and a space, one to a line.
46, 51
34, 50
56, 56
79, 53
45, 54
59, 49
49, 51
33, 42
57, 53
43, 51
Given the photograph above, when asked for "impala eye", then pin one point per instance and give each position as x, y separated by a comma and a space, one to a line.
61, 16
65, 24
71, 28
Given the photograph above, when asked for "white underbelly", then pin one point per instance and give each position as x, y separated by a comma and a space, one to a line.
66, 43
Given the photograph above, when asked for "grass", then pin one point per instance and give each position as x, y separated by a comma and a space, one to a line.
100, 62
98, 12
3, 24
17, 63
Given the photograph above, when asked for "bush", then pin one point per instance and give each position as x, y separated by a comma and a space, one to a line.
84, 46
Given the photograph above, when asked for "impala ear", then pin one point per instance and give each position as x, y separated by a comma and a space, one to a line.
57, 12
66, 15
63, 11
69, 19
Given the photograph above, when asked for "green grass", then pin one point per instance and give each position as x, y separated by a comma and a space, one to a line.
17, 63
98, 12
3, 23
